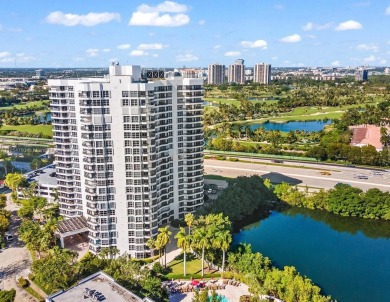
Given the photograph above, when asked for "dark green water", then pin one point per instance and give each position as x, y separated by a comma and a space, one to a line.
349, 258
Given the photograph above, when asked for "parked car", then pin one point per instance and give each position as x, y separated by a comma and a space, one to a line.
9, 238
210, 191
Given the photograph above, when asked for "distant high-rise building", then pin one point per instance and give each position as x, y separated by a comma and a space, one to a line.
190, 73
216, 74
237, 72
361, 74
262, 73
39, 74
129, 153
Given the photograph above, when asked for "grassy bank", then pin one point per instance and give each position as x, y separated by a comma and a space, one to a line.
33, 129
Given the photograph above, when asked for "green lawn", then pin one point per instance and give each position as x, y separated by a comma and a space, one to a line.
35, 129
193, 267
24, 105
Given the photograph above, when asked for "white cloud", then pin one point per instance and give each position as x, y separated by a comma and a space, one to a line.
278, 6
232, 54
291, 39
92, 52
202, 22
388, 10
370, 59
186, 58
138, 53
90, 19
154, 46
106, 50
4, 54
124, 46
255, 44
349, 25
167, 13
313, 26
217, 46
335, 63
368, 47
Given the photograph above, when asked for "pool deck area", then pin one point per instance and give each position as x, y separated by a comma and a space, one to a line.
232, 293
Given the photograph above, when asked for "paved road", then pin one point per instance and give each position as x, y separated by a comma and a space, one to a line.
300, 173
15, 259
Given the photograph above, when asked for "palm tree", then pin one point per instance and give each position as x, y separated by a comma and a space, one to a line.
151, 243
164, 239
202, 241
222, 241
183, 242
189, 219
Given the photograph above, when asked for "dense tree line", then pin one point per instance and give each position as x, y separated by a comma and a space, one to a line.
59, 270
262, 278
4, 219
342, 200
244, 197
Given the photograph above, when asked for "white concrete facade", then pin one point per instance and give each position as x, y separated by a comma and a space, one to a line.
129, 154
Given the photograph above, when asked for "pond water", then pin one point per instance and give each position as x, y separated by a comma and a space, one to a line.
41, 115
292, 126
347, 257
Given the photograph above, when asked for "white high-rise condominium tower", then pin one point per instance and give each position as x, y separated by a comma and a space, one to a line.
129, 153
237, 72
262, 73
216, 74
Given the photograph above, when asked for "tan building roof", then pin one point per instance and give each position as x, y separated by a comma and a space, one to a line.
364, 135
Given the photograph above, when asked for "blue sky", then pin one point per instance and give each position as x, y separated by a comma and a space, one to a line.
90, 33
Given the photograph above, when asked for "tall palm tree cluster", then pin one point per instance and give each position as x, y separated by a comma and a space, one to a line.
205, 234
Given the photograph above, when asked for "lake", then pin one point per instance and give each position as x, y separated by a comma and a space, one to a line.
347, 257
292, 126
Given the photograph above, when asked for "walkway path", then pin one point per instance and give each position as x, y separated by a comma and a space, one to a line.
15, 260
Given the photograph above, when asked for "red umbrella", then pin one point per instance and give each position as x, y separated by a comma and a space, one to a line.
194, 282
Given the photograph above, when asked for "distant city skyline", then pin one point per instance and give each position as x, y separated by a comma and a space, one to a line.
90, 33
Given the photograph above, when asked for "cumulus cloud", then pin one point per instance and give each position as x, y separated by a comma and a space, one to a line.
90, 19
232, 54
335, 63
6, 57
138, 53
370, 59
255, 44
4, 54
186, 58
291, 39
349, 25
368, 47
387, 10
313, 26
92, 52
154, 46
167, 13
123, 46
